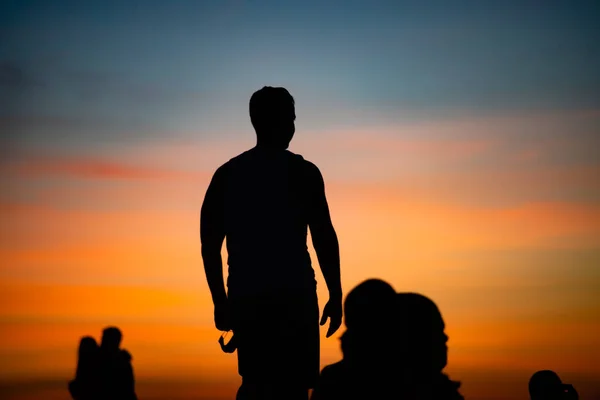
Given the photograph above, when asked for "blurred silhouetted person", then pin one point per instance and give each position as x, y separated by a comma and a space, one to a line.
117, 379
85, 386
422, 350
405, 363
546, 385
263, 202
369, 305
369, 312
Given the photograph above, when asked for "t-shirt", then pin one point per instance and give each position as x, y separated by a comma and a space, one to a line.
264, 200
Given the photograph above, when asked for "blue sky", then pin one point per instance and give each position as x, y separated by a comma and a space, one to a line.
135, 70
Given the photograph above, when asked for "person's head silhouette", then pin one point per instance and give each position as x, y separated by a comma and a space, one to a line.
87, 346
545, 385
422, 341
272, 112
111, 339
369, 305
368, 311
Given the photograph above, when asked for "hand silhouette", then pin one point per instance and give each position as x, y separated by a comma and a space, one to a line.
222, 317
570, 392
333, 311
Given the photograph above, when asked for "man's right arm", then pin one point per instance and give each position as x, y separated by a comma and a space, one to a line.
212, 235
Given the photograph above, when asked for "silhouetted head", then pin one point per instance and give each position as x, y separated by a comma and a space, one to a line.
88, 347
111, 338
545, 385
369, 305
422, 340
273, 113
87, 344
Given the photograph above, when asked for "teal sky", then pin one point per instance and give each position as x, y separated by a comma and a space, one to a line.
79, 73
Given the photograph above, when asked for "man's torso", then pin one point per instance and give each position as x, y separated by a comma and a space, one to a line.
266, 210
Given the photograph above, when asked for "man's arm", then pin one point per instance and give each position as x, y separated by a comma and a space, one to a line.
323, 234
326, 245
212, 234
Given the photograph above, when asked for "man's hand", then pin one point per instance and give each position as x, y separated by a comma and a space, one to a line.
222, 317
333, 311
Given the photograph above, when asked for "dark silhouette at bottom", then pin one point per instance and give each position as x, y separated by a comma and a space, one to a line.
105, 371
394, 347
408, 364
547, 385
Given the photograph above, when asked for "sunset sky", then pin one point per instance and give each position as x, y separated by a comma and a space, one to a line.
459, 142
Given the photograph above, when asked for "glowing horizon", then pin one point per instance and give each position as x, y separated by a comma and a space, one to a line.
500, 271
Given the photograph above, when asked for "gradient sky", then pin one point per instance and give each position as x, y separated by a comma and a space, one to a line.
460, 144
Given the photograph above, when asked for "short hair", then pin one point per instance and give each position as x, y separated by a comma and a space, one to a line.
87, 344
369, 303
112, 334
267, 104
418, 311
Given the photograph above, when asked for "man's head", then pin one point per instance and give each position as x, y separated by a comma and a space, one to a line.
111, 338
272, 113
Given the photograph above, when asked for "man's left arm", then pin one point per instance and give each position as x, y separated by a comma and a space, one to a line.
327, 247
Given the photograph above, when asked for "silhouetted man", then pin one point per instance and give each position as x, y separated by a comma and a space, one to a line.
263, 202
117, 380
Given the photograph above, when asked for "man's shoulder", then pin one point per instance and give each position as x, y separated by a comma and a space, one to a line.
230, 164
233, 160
248, 158
126, 355
308, 166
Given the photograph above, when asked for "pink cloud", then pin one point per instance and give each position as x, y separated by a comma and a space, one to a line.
88, 168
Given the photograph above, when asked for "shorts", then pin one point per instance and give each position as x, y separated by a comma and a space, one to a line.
277, 337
